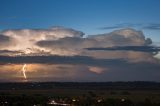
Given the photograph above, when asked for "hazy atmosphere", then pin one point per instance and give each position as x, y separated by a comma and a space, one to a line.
79, 40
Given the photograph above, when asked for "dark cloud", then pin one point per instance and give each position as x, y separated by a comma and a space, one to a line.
141, 71
149, 49
152, 26
122, 25
84, 60
110, 27
4, 38
148, 41
67, 43
9, 52
72, 60
5, 41
149, 26
61, 43
108, 56
82, 68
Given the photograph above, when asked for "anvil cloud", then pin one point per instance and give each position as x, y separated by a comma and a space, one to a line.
67, 41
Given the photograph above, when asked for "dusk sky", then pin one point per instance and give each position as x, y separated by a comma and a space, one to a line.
79, 40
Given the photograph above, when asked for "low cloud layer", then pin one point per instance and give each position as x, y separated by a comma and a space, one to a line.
149, 26
152, 26
77, 68
148, 49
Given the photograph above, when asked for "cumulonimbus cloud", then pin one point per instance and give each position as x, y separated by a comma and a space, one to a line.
63, 50
124, 37
70, 42
50, 33
25, 38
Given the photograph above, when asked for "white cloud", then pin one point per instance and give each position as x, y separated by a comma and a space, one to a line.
66, 41
44, 34
122, 37
26, 38
67, 45
72, 45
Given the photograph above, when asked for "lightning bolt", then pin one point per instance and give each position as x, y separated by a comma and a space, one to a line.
24, 71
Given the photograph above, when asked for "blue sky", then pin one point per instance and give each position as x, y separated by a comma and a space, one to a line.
85, 15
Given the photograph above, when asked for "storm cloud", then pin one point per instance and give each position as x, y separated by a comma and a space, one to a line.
72, 45
26, 38
49, 53
149, 49
67, 41
5, 41
78, 68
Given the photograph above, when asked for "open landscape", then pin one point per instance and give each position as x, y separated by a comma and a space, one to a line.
80, 94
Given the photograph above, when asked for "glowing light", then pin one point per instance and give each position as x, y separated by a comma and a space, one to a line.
157, 55
97, 70
24, 71
122, 99
73, 100
99, 100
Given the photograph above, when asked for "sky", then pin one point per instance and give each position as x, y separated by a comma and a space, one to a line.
79, 40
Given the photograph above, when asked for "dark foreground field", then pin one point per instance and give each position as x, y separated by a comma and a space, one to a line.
80, 94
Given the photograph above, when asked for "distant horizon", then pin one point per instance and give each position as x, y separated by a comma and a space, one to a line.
81, 82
